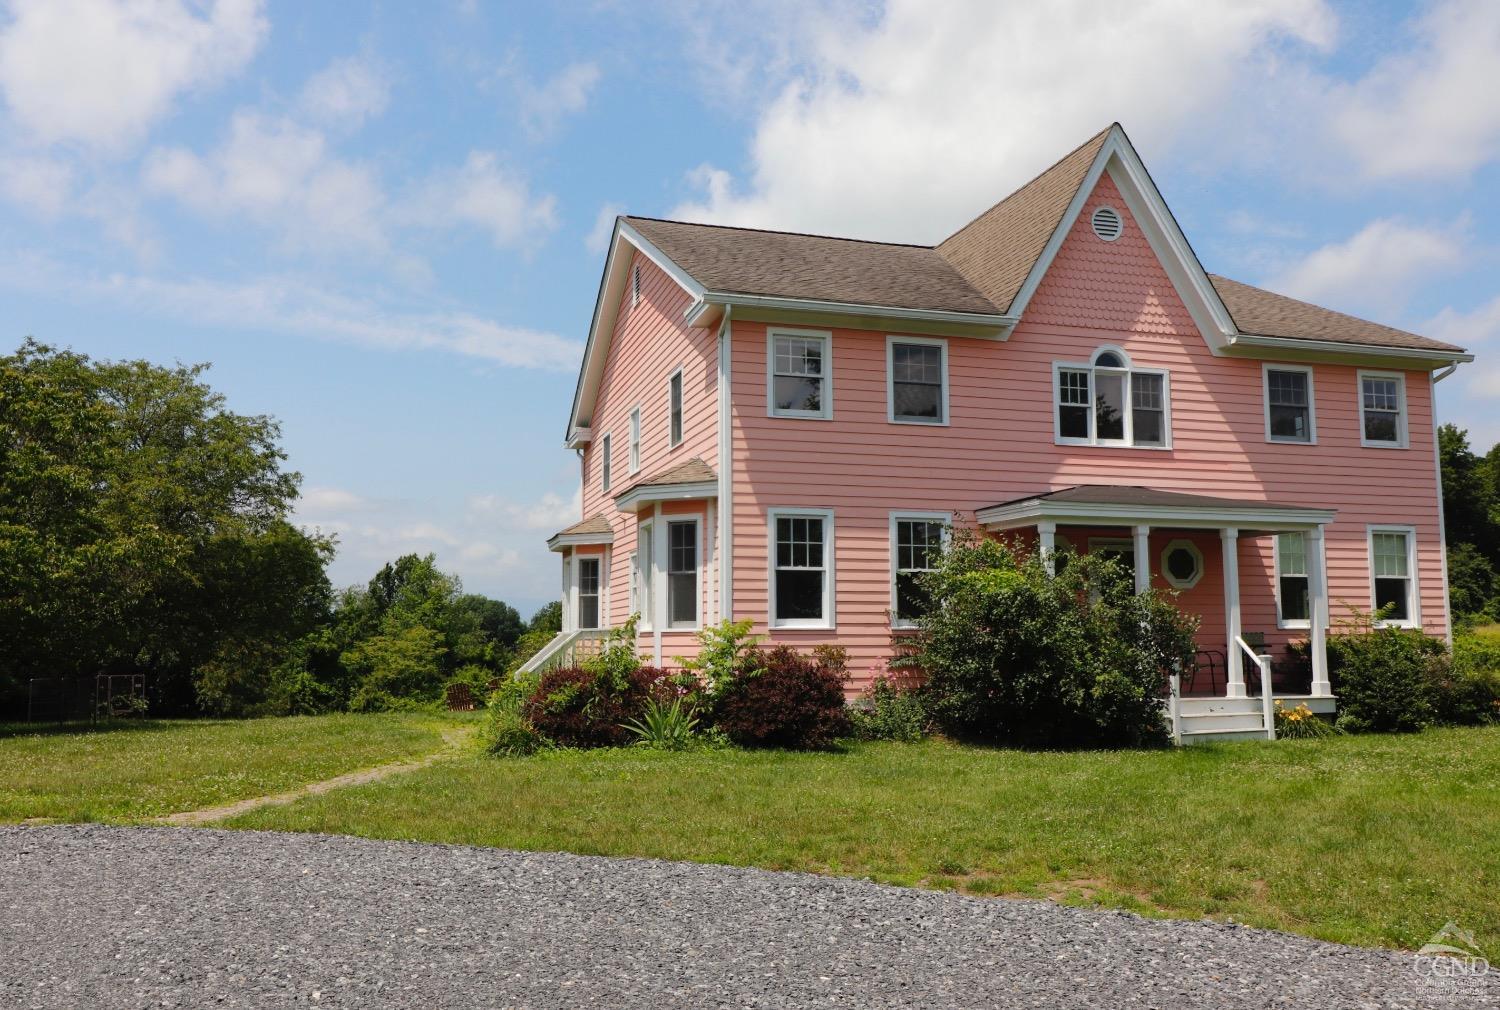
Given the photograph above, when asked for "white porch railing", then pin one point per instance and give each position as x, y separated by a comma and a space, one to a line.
1267, 703
567, 648
1174, 706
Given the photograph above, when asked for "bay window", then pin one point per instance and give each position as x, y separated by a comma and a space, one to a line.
1107, 402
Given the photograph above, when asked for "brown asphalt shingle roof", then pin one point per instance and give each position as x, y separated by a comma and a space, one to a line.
1130, 494
792, 265
692, 471
1267, 314
596, 525
979, 268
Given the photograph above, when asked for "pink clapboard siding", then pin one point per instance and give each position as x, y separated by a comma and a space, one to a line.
1000, 445
648, 344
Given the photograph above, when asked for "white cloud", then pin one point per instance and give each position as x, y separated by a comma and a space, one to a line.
101, 72
346, 93
597, 240
482, 195
1428, 110
322, 501
550, 513
1377, 266
906, 127
37, 184
290, 305
543, 107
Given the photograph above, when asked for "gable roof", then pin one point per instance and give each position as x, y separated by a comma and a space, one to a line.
781, 264
998, 249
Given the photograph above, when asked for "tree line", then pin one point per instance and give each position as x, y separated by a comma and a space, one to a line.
145, 528
1471, 520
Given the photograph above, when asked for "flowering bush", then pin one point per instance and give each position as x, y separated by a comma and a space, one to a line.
1301, 723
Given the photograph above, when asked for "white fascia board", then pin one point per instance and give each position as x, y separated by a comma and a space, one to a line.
1119, 158
1000, 322
1027, 513
557, 543
578, 438
1401, 357
647, 494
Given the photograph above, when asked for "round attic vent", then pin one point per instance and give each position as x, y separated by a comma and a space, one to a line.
1107, 223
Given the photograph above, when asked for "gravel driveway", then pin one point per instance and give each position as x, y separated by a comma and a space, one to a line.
135, 917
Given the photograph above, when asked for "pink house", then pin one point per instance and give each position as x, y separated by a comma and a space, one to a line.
777, 426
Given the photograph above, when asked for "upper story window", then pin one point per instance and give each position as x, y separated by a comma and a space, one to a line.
799, 380
1108, 402
1393, 582
604, 462
674, 409
917, 380
1289, 404
635, 440
1382, 409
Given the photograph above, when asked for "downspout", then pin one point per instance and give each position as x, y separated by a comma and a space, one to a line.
1433, 378
726, 472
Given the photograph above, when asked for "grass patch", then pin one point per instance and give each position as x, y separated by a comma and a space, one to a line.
1370, 840
127, 770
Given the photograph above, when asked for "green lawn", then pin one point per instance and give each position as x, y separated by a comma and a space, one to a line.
1368, 840
125, 770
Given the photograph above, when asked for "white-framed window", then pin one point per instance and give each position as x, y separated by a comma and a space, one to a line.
683, 586
1290, 412
916, 380
640, 575
635, 582
635, 439
799, 373
604, 462
1393, 574
917, 538
674, 410
1182, 564
589, 570
1109, 402
1293, 597
1382, 410
801, 567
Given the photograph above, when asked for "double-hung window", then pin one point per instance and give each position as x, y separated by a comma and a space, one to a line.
604, 462
1293, 601
674, 409
1289, 404
916, 541
917, 380
682, 573
801, 568
641, 577
1382, 410
1392, 574
589, 584
1107, 402
635, 440
799, 382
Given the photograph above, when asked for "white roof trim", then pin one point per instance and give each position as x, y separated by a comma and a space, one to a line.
559, 541
1027, 512
1344, 347
647, 494
994, 319
1118, 156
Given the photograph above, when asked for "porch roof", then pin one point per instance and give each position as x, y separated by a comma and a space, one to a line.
687, 480
1124, 505
596, 529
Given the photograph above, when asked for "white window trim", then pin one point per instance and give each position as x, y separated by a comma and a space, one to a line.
634, 461
1266, 369
1402, 441
577, 594
644, 604
606, 465
697, 523
946, 518
1414, 604
1191, 548
682, 407
826, 414
829, 617
890, 380
1295, 623
634, 592
1090, 367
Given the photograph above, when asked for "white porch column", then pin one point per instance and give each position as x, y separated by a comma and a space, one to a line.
1142, 535
1234, 660
567, 589
1046, 535
1317, 612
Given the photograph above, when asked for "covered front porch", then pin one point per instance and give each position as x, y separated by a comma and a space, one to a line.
1197, 545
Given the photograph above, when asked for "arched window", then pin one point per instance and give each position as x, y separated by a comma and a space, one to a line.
1110, 402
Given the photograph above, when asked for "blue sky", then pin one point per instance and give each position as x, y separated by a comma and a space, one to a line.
383, 223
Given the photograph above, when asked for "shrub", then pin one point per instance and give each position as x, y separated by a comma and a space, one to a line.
887, 712
507, 733
791, 700
1381, 675
664, 725
576, 707
1016, 651
727, 653
1301, 723
1464, 690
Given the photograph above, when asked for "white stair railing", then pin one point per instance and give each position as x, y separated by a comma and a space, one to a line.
567, 648
1267, 704
1174, 706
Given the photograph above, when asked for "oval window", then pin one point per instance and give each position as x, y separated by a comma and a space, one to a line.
1182, 564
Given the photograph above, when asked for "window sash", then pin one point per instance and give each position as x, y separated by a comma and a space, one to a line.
800, 569
917, 381
604, 463
1391, 573
1111, 406
682, 573
645, 553
588, 592
674, 409
918, 542
799, 372
635, 440
1288, 405
1381, 408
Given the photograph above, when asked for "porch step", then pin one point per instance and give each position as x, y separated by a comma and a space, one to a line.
1190, 737
1217, 721
1221, 706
